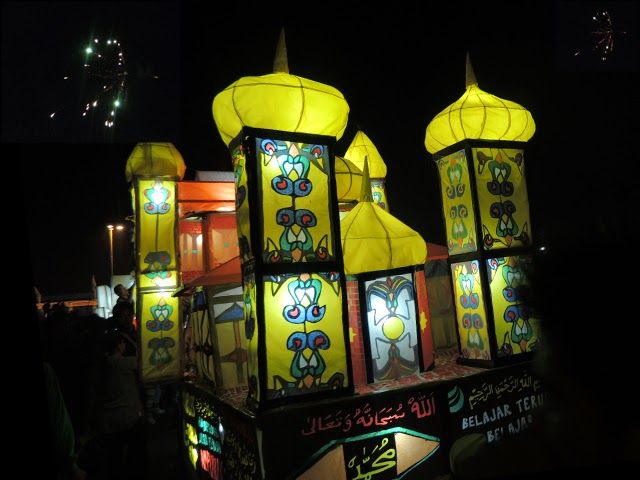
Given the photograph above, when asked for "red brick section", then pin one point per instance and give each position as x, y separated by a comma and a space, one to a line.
357, 346
426, 336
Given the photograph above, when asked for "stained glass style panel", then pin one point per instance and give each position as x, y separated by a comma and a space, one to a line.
209, 441
160, 335
251, 335
391, 319
470, 311
306, 348
457, 203
379, 194
517, 331
238, 157
295, 197
502, 197
228, 317
156, 221
191, 442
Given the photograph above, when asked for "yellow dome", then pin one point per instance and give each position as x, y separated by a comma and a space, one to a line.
373, 239
361, 147
478, 115
155, 159
348, 180
280, 101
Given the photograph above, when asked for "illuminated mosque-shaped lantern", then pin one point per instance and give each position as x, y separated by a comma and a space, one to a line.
362, 147
281, 130
384, 260
153, 169
478, 146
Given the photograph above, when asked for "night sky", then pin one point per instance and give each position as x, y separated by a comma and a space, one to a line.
397, 67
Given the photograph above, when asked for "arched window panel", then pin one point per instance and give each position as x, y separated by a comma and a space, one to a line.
517, 329
471, 315
304, 338
390, 304
457, 203
227, 305
503, 201
159, 324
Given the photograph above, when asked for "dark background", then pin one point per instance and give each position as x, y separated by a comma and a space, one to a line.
397, 67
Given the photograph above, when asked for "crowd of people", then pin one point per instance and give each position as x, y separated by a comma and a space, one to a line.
99, 410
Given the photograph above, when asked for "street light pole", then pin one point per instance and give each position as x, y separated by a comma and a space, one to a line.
110, 229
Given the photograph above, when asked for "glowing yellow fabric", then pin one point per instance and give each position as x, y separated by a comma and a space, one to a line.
156, 221
159, 323
280, 101
522, 332
279, 356
155, 159
501, 187
348, 180
251, 318
470, 311
479, 115
361, 147
242, 203
373, 240
315, 202
457, 203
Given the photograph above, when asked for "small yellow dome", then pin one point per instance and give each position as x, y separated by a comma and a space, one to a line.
361, 147
155, 159
373, 239
478, 115
348, 180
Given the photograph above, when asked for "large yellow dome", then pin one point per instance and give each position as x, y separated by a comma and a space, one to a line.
280, 101
478, 115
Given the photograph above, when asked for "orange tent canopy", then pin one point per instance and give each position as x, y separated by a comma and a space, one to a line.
228, 272
206, 197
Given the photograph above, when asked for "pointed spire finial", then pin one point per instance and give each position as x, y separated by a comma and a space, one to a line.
365, 192
470, 76
280, 62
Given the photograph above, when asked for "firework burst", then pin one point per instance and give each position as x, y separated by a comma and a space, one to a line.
603, 35
105, 76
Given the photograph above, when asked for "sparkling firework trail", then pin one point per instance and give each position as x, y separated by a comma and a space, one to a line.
104, 68
603, 36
